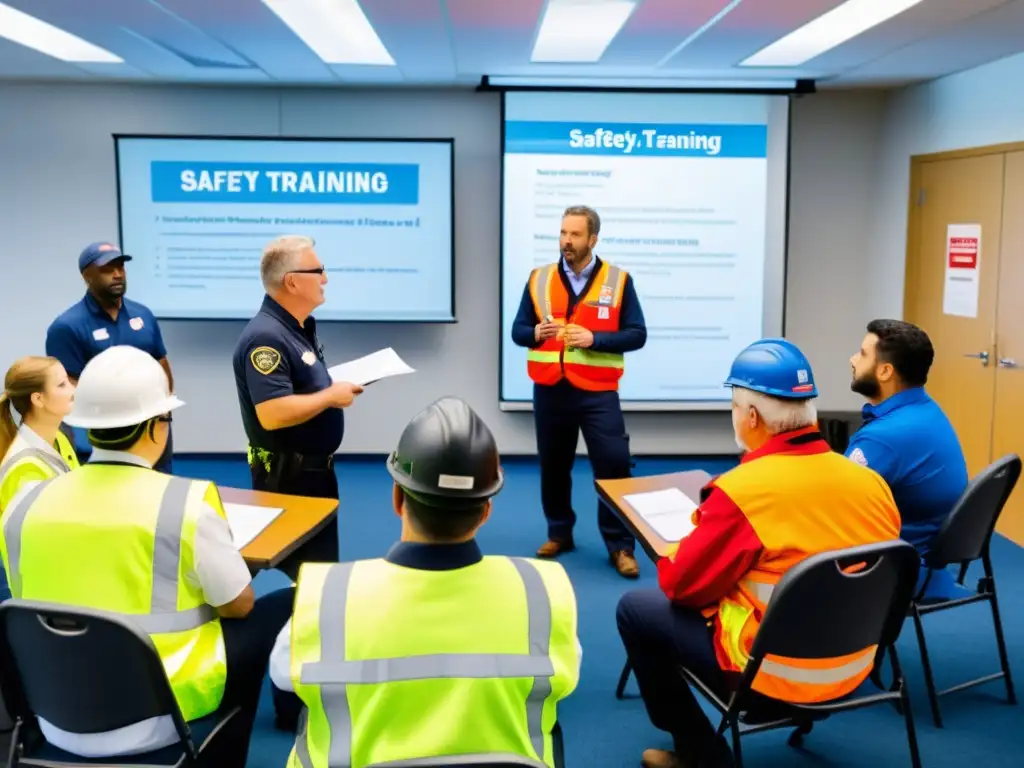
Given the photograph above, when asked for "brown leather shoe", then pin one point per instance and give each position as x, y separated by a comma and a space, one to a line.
661, 758
553, 548
625, 564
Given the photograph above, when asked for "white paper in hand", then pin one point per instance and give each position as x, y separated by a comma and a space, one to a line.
248, 521
668, 512
379, 365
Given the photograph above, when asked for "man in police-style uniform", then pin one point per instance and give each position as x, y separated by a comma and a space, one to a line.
104, 318
577, 318
291, 409
435, 638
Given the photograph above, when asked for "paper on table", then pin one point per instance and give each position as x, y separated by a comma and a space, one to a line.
373, 367
669, 512
248, 521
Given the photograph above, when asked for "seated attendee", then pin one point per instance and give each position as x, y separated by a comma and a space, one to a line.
40, 391
115, 535
790, 497
907, 439
433, 650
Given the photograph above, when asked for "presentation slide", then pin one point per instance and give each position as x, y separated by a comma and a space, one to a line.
692, 194
196, 213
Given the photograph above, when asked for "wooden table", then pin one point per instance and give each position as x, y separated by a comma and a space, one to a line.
303, 517
611, 493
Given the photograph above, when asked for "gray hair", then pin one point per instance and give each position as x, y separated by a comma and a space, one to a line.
281, 256
778, 414
593, 220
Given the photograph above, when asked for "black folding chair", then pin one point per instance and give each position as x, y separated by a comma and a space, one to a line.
86, 671
823, 609
965, 537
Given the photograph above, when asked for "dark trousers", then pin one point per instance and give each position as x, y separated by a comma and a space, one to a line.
560, 412
318, 483
659, 637
247, 646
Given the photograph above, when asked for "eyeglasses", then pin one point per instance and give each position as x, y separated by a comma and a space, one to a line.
166, 418
314, 271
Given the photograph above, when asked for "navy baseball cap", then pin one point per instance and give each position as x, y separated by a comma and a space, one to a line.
100, 254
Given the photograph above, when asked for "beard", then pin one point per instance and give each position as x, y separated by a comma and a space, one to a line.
866, 385
572, 256
736, 435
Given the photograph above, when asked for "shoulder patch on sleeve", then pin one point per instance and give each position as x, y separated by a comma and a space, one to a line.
857, 456
265, 359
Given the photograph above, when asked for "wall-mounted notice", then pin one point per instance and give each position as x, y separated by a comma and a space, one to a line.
963, 270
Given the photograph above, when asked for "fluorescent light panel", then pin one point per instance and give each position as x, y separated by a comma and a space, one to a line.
37, 34
501, 81
579, 31
842, 23
335, 30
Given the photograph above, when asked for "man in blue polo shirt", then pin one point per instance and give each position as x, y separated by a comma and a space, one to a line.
906, 437
105, 318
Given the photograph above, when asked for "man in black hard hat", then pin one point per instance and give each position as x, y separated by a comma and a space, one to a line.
445, 649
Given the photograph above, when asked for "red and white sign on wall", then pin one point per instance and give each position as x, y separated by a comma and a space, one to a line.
963, 267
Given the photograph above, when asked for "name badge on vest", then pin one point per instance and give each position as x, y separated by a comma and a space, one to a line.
606, 296
602, 313
100, 334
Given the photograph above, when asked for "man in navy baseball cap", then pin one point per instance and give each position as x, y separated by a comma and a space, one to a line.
100, 254
104, 318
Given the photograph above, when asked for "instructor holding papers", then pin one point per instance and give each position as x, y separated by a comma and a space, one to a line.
291, 408
578, 317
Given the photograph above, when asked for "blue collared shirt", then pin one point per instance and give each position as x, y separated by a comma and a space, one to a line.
579, 282
908, 440
85, 329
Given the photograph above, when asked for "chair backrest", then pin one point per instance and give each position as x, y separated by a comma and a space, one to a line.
967, 530
838, 603
458, 761
82, 670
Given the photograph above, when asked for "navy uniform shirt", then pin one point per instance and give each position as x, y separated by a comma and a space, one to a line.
276, 357
85, 329
908, 440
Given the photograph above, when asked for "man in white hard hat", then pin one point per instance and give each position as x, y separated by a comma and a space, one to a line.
150, 546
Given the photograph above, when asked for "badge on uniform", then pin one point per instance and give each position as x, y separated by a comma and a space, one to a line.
265, 359
602, 313
308, 357
100, 334
136, 323
606, 295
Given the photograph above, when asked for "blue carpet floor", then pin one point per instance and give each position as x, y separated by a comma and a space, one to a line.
980, 728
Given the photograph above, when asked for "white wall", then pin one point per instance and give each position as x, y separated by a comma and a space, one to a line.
57, 193
975, 108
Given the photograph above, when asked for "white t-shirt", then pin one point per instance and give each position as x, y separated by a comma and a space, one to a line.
220, 572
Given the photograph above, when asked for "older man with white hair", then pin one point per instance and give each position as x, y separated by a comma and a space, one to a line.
790, 497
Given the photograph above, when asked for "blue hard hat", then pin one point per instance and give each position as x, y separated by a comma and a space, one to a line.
774, 367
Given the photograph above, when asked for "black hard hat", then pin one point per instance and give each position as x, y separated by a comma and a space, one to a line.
447, 457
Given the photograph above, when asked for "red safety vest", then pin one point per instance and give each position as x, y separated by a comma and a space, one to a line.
597, 311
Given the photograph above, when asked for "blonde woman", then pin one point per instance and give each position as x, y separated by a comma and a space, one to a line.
39, 389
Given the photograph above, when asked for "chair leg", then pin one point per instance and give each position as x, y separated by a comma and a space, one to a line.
926, 665
796, 738
908, 718
620, 690
1011, 696
737, 752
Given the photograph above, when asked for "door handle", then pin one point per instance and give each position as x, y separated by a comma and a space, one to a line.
1008, 362
983, 356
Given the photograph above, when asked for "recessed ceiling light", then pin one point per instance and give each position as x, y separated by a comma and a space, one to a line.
842, 23
17, 26
579, 31
335, 30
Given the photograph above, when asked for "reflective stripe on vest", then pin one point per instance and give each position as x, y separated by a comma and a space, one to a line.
333, 672
542, 291
57, 465
164, 616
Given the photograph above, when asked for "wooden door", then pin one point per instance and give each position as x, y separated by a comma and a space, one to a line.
963, 190
1008, 424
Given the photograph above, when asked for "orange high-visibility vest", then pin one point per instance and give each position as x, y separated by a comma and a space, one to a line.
799, 505
597, 310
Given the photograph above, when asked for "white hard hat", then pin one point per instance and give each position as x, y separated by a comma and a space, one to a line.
121, 387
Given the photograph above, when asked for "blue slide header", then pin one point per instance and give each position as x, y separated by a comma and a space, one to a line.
639, 139
335, 183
